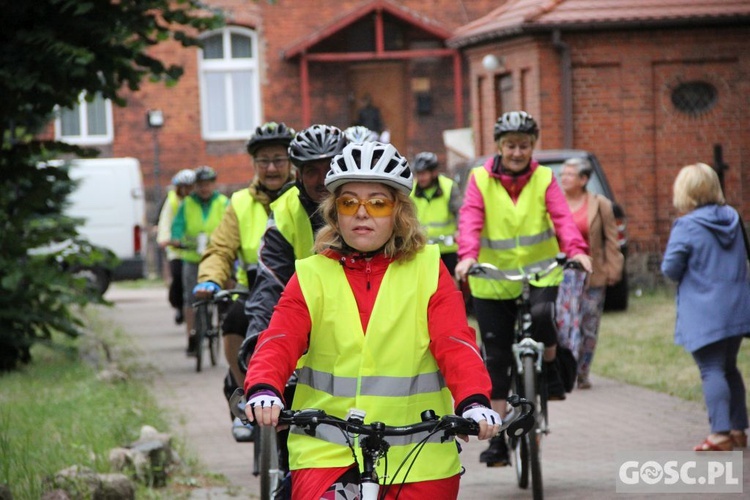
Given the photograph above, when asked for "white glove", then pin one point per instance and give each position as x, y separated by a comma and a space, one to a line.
477, 413
265, 400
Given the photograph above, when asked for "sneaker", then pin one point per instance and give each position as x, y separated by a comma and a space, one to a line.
242, 433
584, 382
192, 348
496, 455
555, 386
179, 317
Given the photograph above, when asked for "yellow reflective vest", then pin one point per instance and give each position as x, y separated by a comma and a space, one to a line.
388, 371
435, 216
251, 222
197, 223
515, 237
292, 221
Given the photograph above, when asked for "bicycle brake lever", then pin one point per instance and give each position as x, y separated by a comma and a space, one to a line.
237, 404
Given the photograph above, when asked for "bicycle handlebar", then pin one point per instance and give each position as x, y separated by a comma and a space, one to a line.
222, 296
532, 275
517, 422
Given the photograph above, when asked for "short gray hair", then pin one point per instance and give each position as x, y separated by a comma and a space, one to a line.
582, 166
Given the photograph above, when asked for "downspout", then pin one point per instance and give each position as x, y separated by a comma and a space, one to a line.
566, 84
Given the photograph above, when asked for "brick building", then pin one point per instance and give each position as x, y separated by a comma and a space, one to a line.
647, 86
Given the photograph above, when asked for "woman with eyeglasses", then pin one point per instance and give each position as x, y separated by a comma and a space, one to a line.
374, 303
237, 240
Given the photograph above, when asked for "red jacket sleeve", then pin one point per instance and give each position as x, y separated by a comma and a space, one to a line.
454, 343
282, 344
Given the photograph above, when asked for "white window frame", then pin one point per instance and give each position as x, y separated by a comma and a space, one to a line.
226, 66
84, 137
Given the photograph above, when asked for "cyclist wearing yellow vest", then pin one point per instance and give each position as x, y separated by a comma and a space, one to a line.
376, 304
438, 200
514, 215
237, 239
183, 182
198, 216
292, 225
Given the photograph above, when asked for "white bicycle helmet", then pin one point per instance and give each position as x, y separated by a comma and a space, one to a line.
359, 133
370, 162
184, 177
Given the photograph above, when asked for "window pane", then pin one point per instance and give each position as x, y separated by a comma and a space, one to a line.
70, 121
213, 48
242, 90
97, 117
216, 104
241, 46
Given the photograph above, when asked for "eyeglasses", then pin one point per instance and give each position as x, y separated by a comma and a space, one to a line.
264, 163
376, 207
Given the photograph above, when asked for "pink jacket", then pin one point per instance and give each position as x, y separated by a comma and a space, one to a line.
471, 215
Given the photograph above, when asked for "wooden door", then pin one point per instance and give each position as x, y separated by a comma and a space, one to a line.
384, 83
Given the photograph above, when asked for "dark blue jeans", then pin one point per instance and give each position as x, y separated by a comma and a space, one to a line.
723, 388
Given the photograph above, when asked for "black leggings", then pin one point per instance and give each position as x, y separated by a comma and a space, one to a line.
176, 298
496, 319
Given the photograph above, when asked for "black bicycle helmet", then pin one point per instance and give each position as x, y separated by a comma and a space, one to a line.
269, 134
516, 121
205, 173
317, 142
370, 162
425, 161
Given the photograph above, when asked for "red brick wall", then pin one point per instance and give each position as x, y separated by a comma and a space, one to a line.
622, 110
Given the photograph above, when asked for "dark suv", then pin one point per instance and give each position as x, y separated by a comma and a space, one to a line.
617, 295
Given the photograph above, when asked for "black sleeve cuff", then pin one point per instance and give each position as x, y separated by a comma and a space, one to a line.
476, 398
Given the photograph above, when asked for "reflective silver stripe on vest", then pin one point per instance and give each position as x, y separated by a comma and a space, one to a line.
499, 275
333, 435
524, 241
346, 387
440, 224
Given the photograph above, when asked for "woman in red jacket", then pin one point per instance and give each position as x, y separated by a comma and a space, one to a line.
374, 304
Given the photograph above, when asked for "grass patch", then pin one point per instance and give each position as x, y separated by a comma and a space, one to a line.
55, 413
637, 347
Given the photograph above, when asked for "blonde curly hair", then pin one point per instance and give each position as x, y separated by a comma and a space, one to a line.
407, 238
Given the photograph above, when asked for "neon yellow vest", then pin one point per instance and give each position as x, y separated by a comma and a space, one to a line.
174, 203
196, 223
389, 372
293, 223
251, 220
517, 236
435, 215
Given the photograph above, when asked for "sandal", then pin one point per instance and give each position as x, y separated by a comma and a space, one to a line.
739, 439
708, 445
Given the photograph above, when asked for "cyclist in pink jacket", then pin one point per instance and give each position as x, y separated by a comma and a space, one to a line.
515, 216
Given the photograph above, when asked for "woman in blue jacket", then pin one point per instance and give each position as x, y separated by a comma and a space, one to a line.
706, 256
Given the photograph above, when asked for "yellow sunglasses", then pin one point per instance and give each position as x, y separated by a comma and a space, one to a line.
376, 207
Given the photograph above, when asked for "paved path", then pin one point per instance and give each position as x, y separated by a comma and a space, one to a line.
588, 429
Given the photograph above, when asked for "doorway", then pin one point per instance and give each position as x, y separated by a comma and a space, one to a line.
384, 84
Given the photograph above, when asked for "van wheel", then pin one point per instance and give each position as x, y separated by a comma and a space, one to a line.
97, 278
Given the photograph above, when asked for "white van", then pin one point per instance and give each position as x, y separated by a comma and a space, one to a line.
111, 200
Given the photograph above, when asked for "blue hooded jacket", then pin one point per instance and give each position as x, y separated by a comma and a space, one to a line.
706, 256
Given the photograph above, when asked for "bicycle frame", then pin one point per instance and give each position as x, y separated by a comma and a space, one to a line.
372, 436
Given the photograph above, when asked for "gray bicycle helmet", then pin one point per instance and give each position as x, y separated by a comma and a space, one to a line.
317, 142
516, 121
425, 161
269, 134
370, 162
359, 133
205, 173
184, 177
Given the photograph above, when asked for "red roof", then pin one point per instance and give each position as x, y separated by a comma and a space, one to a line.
517, 16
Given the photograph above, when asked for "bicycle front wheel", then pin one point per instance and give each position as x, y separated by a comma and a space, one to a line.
271, 475
533, 437
202, 325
